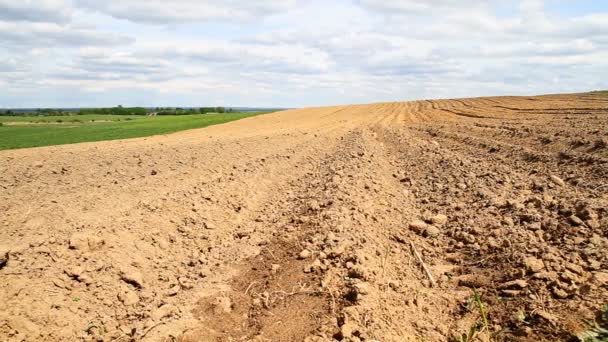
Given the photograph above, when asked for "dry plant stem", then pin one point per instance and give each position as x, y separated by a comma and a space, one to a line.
425, 268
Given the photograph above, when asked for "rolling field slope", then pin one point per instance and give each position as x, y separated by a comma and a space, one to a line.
371, 222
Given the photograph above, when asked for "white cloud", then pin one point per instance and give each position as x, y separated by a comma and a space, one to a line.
288, 53
58, 11
56, 35
185, 11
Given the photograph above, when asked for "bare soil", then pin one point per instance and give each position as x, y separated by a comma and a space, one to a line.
303, 225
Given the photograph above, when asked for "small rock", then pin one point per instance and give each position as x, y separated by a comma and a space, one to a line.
431, 231
153, 172
172, 291
394, 285
185, 283
556, 180
575, 268
162, 312
305, 254
474, 281
559, 293
275, 268
132, 277
347, 330
511, 293
550, 276
418, 226
74, 272
439, 220
575, 220
128, 298
3, 256
79, 241
601, 278
520, 283
209, 225
534, 265
83, 242
362, 288
86, 279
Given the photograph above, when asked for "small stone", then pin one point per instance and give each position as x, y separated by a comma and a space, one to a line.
172, 291
520, 283
394, 285
79, 241
128, 298
305, 254
132, 277
60, 283
185, 283
209, 225
74, 272
3, 256
575, 220
331, 237
86, 279
153, 172
556, 180
162, 312
601, 278
275, 268
439, 220
418, 226
534, 265
575, 268
550, 276
559, 293
431, 231
474, 281
511, 293
362, 288
347, 330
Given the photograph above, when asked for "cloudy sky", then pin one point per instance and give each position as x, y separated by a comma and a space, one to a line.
292, 53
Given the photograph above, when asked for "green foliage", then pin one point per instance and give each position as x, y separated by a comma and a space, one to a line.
596, 331
119, 110
20, 136
83, 118
480, 324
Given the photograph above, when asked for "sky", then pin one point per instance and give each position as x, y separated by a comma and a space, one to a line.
295, 53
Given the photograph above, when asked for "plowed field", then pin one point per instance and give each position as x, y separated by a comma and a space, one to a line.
353, 223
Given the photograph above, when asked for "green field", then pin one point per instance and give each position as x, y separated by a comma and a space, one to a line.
70, 118
33, 131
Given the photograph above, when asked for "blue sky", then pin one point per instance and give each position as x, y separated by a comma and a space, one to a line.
294, 53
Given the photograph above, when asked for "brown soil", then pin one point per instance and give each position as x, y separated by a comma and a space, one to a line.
299, 226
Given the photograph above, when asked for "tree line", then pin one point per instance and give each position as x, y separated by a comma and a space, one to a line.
119, 110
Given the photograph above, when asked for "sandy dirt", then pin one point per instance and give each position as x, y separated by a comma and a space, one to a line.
304, 225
